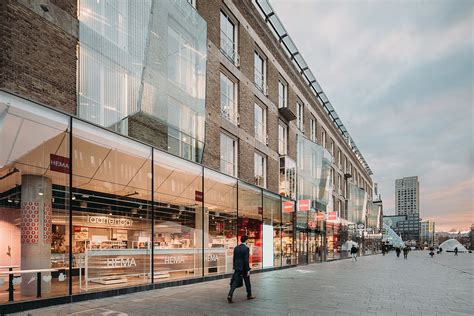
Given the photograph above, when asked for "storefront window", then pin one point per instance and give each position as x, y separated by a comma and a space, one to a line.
110, 204
178, 218
34, 195
250, 221
287, 232
271, 230
220, 220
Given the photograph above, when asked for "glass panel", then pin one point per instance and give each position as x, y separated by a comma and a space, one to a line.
139, 62
228, 155
111, 210
178, 218
34, 199
250, 221
287, 232
271, 230
220, 218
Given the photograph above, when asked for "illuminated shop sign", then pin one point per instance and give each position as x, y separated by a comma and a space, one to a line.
331, 216
59, 163
288, 206
110, 221
121, 262
319, 216
304, 205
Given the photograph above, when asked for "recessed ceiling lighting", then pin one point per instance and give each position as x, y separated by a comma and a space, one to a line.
10, 201
40, 193
110, 213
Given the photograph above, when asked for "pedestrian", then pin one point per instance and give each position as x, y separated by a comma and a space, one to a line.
405, 252
440, 250
241, 267
354, 252
398, 250
456, 251
383, 250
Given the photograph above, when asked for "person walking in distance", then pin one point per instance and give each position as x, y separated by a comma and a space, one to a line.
398, 250
241, 269
405, 252
456, 251
354, 252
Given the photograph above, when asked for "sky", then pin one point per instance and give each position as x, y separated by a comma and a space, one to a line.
400, 76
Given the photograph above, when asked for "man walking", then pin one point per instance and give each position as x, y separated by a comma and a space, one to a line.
354, 252
405, 252
456, 251
241, 269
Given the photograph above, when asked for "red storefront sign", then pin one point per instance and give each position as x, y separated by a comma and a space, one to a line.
59, 163
304, 205
288, 206
319, 216
198, 196
332, 216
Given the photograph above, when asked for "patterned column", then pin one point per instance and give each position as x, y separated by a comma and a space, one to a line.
36, 230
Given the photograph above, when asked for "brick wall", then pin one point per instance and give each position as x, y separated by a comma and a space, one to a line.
38, 58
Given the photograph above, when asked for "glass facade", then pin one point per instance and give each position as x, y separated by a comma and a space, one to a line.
95, 210
144, 64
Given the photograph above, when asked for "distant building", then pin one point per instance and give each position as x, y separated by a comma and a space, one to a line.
427, 233
407, 203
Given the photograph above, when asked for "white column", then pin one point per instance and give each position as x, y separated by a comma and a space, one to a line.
36, 231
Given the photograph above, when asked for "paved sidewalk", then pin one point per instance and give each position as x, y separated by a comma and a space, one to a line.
374, 285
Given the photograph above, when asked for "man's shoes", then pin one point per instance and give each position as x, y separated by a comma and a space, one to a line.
251, 297
229, 300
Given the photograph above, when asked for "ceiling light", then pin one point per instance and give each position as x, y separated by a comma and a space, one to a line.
73, 197
10, 201
40, 193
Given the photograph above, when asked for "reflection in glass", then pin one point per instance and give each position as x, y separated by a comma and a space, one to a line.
220, 220
111, 203
34, 195
178, 218
271, 230
250, 221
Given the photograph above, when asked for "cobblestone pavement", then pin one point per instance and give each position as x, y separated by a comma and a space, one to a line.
374, 285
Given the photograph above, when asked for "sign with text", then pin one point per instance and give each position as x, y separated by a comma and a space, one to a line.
198, 196
319, 216
304, 205
59, 163
332, 216
288, 206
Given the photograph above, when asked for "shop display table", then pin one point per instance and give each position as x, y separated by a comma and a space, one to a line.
20, 272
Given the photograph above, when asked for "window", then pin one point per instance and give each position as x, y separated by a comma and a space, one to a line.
339, 161
323, 139
282, 138
182, 64
229, 99
260, 123
229, 38
299, 115
282, 94
312, 129
332, 148
260, 170
260, 80
228, 155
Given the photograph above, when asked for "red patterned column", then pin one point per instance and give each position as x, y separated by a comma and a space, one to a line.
36, 229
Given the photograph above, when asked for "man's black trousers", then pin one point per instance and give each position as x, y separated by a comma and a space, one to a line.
236, 279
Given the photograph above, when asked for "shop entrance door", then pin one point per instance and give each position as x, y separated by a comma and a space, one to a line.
302, 246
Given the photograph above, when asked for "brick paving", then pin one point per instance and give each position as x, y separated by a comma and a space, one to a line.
374, 285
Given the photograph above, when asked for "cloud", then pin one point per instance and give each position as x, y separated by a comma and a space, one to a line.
400, 75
